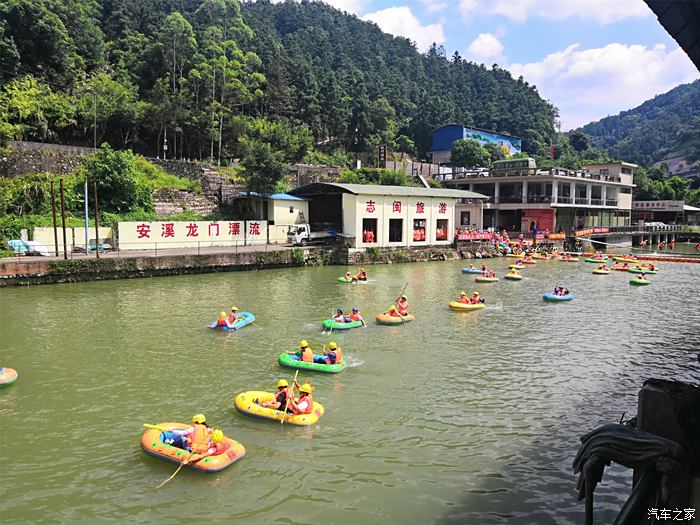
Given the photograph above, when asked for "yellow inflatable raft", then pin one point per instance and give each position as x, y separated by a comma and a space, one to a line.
601, 272
465, 307
516, 266
245, 405
152, 444
514, 276
625, 260
7, 376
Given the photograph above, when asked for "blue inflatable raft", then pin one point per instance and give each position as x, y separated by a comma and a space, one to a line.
244, 318
556, 298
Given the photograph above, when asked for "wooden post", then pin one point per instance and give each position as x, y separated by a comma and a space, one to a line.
55, 221
63, 220
671, 409
97, 222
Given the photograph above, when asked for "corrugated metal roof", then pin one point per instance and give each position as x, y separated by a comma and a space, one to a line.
687, 207
409, 191
681, 19
275, 196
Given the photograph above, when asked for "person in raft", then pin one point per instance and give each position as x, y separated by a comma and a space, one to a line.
463, 298
402, 306
218, 445
475, 299
305, 403
338, 317
392, 311
332, 356
355, 316
484, 270
280, 400
603, 267
196, 438
354, 279
347, 276
304, 354
362, 275
233, 316
492, 274
642, 276
222, 321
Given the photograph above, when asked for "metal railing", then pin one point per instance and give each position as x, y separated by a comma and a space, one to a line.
581, 200
565, 200
611, 202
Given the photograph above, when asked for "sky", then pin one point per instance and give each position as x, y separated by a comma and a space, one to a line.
590, 58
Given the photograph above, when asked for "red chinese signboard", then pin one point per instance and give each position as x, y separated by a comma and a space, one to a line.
442, 207
143, 231
396, 206
420, 207
370, 206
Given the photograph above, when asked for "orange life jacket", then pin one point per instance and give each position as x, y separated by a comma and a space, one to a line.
307, 355
231, 319
308, 409
355, 316
338, 355
221, 322
393, 313
199, 441
464, 300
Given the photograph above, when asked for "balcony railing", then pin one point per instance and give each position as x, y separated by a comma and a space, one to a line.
565, 200
581, 200
596, 202
610, 202
508, 199
539, 199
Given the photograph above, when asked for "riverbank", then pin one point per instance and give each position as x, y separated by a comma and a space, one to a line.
53, 270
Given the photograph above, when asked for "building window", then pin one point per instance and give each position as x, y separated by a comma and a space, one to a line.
369, 231
604, 171
627, 171
291, 209
626, 190
465, 218
395, 230
441, 230
418, 230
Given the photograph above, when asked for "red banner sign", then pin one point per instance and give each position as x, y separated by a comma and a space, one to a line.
556, 236
590, 231
474, 236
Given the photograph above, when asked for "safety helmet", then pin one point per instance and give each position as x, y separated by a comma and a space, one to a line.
362, 269
306, 388
404, 297
476, 293
462, 293
217, 435
234, 308
332, 345
282, 383
222, 314
340, 311
392, 308
199, 418
355, 309
304, 344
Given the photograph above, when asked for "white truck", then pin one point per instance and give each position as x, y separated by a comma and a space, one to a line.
301, 234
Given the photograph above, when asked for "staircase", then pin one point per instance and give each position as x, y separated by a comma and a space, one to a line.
218, 187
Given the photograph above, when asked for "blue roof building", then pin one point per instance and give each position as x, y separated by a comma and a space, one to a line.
445, 136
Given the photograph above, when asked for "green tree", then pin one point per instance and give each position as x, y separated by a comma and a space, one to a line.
264, 167
469, 154
579, 140
495, 152
113, 171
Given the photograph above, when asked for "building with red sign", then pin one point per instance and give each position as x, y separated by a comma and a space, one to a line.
521, 196
389, 216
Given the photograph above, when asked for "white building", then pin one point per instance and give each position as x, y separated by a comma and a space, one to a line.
388, 216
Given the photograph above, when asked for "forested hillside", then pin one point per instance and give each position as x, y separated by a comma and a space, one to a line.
664, 127
215, 77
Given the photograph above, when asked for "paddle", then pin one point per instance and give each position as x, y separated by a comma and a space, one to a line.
286, 405
155, 427
178, 469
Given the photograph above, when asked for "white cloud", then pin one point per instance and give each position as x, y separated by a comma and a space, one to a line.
588, 84
434, 6
400, 21
351, 6
487, 49
601, 11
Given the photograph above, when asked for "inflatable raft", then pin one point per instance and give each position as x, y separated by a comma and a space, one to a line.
244, 318
471, 270
513, 277
516, 266
642, 270
530, 262
621, 268
7, 376
601, 272
344, 280
550, 297
152, 444
595, 261
245, 405
625, 260
640, 282
329, 324
286, 360
389, 319
486, 279
573, 259
466, 307
514, 255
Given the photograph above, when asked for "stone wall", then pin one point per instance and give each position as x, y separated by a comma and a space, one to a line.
30, 157
179, 168
433, 253
172, 202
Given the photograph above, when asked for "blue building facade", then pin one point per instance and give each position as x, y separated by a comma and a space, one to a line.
445, 136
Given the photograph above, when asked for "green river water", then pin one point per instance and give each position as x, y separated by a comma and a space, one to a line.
453, 418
